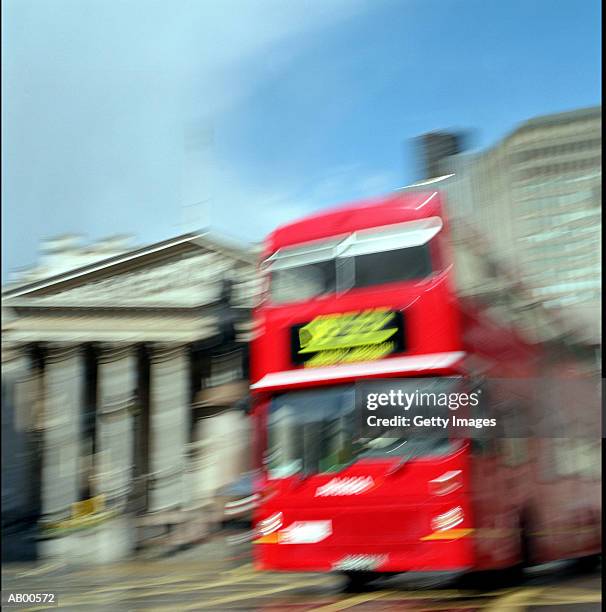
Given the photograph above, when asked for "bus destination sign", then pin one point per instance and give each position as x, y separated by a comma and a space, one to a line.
347, 337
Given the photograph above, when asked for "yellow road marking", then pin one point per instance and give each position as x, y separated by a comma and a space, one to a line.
437, 595
152, 582
185, 589
245, 573
150, 593
246, 567
451, 606
352, 601
48, 567
520, 598
499, 600
249, 595
178, 573
193, 589
563, 596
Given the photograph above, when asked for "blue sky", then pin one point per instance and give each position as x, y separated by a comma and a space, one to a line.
118, 113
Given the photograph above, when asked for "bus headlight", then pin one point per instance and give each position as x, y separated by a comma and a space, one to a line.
306, 532
448, 520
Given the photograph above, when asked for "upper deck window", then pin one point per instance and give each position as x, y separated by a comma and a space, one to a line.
301, 273
365, 258
392, 266
303, 282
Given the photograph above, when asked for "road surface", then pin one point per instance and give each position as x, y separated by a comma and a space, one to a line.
219, 577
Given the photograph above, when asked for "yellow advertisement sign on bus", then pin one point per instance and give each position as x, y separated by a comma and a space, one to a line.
346, 337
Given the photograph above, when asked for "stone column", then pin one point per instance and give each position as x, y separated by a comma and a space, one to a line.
169, 425
204, 464
63, 397
228, 431
17, 379
220, 452
16, 420
117, 382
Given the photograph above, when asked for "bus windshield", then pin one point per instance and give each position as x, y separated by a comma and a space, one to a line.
310, 280
366, 258
319, 431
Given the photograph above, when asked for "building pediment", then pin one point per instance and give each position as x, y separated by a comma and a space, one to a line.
172, 290
186, 282
180, 273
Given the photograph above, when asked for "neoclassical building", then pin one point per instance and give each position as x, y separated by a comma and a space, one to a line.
122, 371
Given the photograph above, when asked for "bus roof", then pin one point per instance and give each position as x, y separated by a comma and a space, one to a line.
392, 208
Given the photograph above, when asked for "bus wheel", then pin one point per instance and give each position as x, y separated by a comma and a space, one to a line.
488, 580
525, 546
358, 581
588, 564
515, 574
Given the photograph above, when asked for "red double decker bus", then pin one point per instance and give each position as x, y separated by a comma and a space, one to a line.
377, 299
